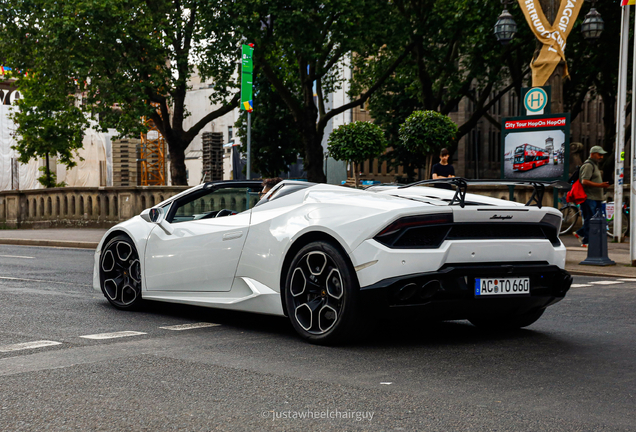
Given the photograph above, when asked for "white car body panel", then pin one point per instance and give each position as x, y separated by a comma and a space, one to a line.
195, 265
247, 295
200, 255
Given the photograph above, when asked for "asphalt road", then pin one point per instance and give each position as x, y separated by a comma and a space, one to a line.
573, 370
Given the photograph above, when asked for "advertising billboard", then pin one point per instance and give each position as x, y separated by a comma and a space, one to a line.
535, 147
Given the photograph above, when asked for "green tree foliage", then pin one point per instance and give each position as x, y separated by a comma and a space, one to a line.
48, 123
132, 55
301, 46
275, 143
422, 135
356, 142
593, 70
454, 55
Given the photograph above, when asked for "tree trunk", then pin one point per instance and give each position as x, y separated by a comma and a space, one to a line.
177, 166
429, 164
355, 173
48, 172
314, 154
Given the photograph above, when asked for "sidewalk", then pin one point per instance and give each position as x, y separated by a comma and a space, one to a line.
618, 252
87, 238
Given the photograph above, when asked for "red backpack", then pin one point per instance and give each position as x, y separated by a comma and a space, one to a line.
577, 194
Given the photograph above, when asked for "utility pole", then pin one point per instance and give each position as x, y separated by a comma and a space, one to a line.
247, 69
632, 183
621, 105
248, 168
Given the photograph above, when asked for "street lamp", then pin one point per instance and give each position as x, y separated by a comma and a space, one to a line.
593, 24
506, 27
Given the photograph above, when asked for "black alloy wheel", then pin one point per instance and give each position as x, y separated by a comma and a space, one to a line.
322, 294
120, 273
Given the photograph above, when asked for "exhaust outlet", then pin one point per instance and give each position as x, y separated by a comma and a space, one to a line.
429, 289
406, 292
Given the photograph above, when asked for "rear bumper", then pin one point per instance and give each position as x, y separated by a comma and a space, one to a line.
379, 262
450, 294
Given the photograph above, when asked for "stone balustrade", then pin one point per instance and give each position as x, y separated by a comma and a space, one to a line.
105, 207
78, 206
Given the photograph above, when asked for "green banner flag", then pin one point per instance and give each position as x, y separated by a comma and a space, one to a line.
246, 78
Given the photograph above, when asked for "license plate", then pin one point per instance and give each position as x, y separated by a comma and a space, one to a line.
501, 286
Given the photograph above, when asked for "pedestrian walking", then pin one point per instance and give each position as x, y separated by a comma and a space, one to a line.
593, 185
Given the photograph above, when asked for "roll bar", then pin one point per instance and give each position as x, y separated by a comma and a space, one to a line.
461, 185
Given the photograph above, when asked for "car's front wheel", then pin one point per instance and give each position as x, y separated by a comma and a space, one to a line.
507, 322
120, 273
322, 295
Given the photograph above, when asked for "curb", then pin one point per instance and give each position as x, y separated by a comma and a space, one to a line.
588, 273
50, 243
607, 271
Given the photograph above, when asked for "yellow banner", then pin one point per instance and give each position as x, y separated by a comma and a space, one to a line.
552, 36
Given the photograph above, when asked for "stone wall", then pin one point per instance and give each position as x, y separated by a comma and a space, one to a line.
78, 206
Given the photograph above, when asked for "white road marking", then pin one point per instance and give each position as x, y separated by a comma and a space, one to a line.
189, 326
37, 280
28, 345
627, 280
386, 383
606, 282
16, 256
113, 335
580, 285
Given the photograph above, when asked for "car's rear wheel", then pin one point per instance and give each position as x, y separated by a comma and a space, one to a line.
507, 322
120, 273
322, 294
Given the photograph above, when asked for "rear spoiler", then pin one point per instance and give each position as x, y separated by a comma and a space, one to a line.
461, 184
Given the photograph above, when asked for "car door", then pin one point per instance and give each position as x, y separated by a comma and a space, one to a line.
203, 251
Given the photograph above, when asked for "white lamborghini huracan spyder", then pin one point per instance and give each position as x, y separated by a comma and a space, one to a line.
323, 255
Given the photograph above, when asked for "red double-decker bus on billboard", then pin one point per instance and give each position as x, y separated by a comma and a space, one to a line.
528, 157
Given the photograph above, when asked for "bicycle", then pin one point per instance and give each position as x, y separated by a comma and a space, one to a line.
571, 212
570, 215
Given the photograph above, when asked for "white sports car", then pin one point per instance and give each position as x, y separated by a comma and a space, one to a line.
324, 255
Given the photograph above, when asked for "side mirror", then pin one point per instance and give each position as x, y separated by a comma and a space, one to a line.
145, 215
156, 215
153, 215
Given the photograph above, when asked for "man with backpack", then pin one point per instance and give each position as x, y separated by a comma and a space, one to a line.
593, 184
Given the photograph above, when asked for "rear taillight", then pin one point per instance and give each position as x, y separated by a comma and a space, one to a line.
552, 220
422, 225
